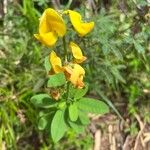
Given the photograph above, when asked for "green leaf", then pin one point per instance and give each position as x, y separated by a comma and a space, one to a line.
73, 112
116, 52
42, 100
77, 93
109, 103
58, 126
139, 47
62, 105
72, 91
11, 132
42, 123
117, 74
56, 80
38, 85
77, 126
47, 64
84, 118
45, 120
93, 106
81, 92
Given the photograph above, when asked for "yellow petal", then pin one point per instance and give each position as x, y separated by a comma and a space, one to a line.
75, 75
48, 39
81, 28
44, 27
67, 71
77, 53
52, 21
86, 28
55, 62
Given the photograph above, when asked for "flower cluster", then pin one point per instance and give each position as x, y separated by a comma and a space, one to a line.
51, 27
72, 70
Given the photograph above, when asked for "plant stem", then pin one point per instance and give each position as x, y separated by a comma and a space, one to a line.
66, 60
65, 49
68, 84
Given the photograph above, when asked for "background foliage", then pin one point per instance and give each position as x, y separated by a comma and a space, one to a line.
117, 68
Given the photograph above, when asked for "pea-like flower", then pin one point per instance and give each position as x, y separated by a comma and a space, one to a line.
73, 71
55, 62
51, 27
82, 28
77, 53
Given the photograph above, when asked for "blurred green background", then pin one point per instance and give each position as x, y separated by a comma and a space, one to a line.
117, 68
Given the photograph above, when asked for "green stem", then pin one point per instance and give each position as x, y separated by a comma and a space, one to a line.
65, 49
68, 84
66, 60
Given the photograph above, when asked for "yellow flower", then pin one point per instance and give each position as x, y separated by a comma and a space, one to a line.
77, 53
75, 74
55, 62
81, 28
51, 27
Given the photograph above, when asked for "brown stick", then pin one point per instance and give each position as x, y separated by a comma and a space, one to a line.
142, 126
97, 138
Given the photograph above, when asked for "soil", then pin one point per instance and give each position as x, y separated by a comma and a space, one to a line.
110, 133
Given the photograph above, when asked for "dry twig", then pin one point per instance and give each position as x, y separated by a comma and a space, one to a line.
97, 144
139, 136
